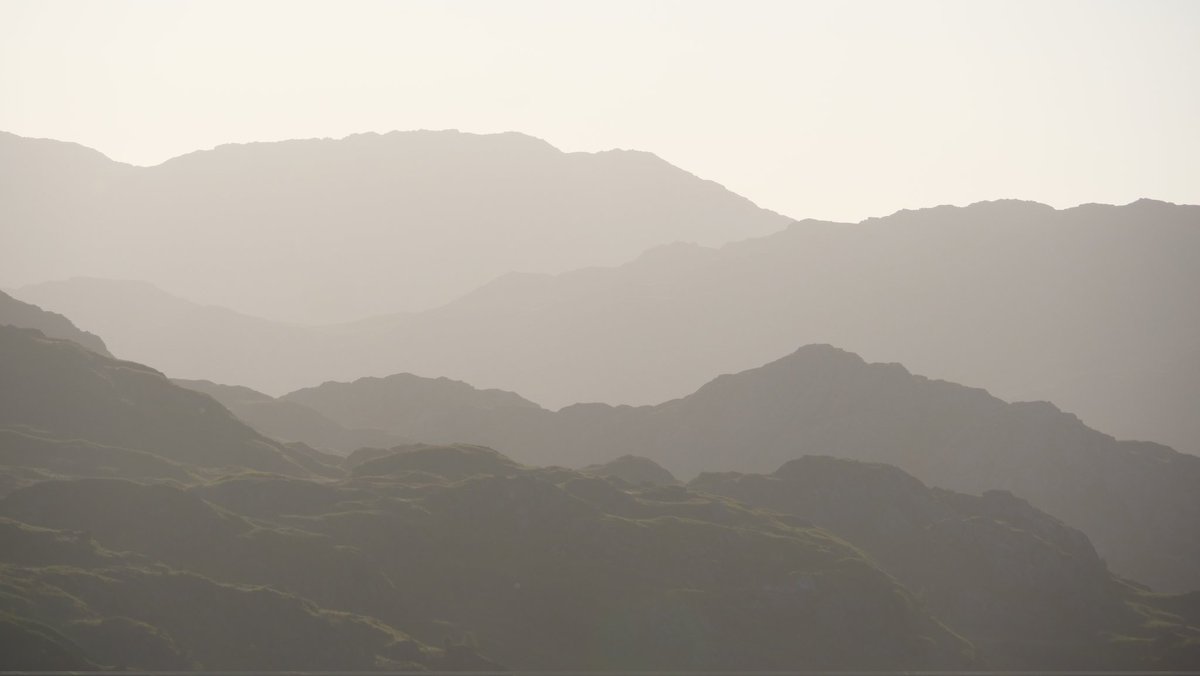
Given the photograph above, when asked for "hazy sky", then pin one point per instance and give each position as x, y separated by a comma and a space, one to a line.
831, 110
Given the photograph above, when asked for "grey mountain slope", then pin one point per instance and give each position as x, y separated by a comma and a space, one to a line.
1091, 308
290, 421
1137, 501
395, 221
16, 313
71, 393
997, 569
635, 470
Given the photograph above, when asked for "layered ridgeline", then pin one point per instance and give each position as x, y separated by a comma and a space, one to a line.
16, 313
57, 398
397, 221
290, 421
1092, 308
203, 567
1000, 571
457, 557
1137, 501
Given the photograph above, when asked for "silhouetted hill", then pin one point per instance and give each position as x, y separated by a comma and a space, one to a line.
1135, 500
1089, 307
289, 420
16, 313
70, 392
435, 410
1004, 574
448, 542
185, 339
635, 470
403, 220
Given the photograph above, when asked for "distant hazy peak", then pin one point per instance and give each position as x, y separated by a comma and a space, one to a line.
1008, 208
1016, 209
409, 384
18, 313
54, 147
223, 393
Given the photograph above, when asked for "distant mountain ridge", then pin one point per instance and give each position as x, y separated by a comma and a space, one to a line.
403, 220
24, 315
289, 421
1135, 500
58, 388
1089, 307
142, 527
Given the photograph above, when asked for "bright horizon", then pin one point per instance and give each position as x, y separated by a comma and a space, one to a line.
831, 111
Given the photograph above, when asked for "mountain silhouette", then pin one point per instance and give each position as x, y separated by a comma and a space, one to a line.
290, 421
24, 315
60, 389
1135, 500
1088, 307
235, 552
635, 470
1000, 571
404, 220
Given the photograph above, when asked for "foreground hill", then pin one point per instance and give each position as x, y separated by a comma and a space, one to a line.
16, 313
1136, 501
555, 569
542, 569
163, 557
1018, 583
58, 389
403, 220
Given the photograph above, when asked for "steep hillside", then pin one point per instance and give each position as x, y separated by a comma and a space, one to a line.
16, 313
1017, 582
69, 392
540, 569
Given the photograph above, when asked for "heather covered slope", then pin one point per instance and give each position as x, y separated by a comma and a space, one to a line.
398, 221
100, 608
556, 569
1005, 574
540, 568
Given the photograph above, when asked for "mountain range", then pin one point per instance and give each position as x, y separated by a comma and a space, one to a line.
1135, 500
398, 221
1089, 307
456, 557
259, 412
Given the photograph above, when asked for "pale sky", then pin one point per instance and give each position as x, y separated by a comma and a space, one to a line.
836, 110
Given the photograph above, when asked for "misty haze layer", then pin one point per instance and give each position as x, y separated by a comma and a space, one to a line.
143, 526
325, 230
1092, 308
